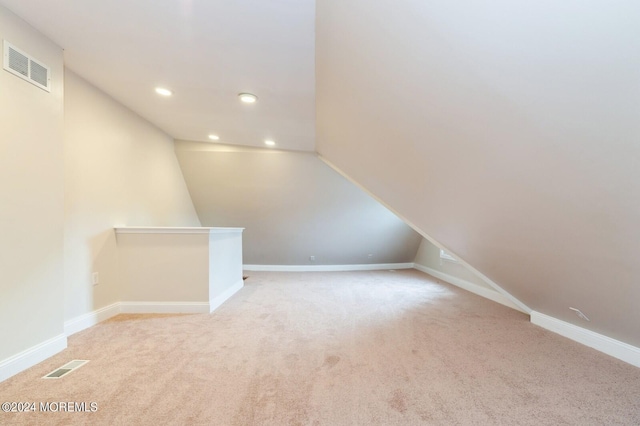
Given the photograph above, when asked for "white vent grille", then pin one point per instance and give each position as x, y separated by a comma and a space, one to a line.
24, 66
18, 62
66, 369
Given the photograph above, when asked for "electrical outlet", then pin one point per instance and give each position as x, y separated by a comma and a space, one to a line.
95, 278
579, 314
312, 258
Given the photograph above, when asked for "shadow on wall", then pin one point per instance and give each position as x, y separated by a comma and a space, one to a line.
429, 255
295, 208
103, 272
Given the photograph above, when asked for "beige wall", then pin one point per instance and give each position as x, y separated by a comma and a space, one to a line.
171, 268
162, 267
506, 131
119, 171
293, 206
429, 255
31, 196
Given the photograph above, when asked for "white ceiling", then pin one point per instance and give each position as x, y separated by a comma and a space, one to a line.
205, 51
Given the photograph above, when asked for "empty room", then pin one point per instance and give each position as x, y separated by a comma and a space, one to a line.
329, 212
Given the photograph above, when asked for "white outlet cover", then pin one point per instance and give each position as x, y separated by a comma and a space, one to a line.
579, 313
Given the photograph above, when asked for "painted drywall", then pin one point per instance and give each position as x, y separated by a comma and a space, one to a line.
429, 255
31, 196
186, 267
293, 206
164, 267
225, 263
119, 171
506, 131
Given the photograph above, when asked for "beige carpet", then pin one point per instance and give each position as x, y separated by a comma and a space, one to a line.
353, 348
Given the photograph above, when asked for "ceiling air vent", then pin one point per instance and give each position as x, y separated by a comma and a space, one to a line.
24, 66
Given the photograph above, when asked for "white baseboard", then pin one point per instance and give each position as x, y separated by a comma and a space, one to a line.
164, 307
217, 301
615, 348
32, 356
469, 286
38, 353
90, 319
327, 268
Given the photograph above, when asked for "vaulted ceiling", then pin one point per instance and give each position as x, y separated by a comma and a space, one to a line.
506, 130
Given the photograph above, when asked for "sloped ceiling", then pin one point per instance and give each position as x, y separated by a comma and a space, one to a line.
509, 131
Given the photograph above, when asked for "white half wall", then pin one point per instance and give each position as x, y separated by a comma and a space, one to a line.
178, 267
163, 267
225, 264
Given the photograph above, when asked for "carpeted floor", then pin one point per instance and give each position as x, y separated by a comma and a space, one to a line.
347, 348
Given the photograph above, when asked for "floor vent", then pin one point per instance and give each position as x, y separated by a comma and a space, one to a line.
66, 369
27, 68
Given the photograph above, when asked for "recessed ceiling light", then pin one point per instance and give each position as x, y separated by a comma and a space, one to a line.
164, 92
269, 143
247, 98
214, 137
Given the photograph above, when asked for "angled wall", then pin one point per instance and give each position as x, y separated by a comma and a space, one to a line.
429, 260
119, 171
31, 203
429, 255
293, 206
507, 131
